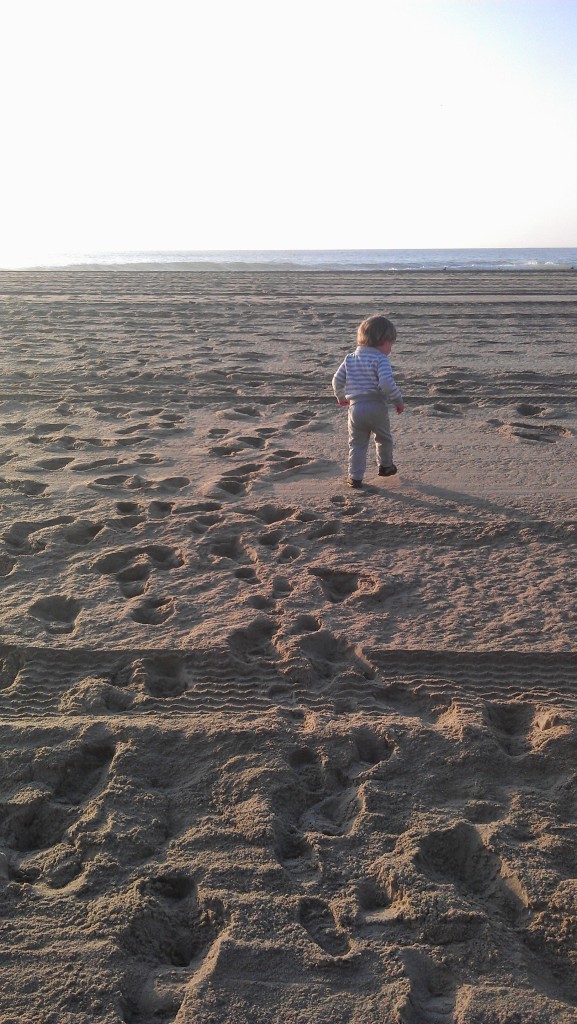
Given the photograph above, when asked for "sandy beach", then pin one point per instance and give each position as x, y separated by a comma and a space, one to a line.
275, 751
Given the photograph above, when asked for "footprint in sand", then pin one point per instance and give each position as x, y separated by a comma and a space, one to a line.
510, 725
224, 450
126, 522
117, 480
131, 567
255, 639
163, 922
153, 611
316, 916
201, 523
87, 467
288, 553
329, 805
28, 487
300, 419
280, 454
337, 808
241, 412
328, 662
292, 849
169, 420
325, 531
444, 409
335, 815
271, 539
547, 433
127, 442
281, 586
171, 483
57, 613
82, 532
161, 557
132, 580
148, 459
286, 461
237, 480
18, 537
83, 769
13, 426
31, 822
160, 509
158, 675
38, 816
270, 514
371, 748
374, 904
11, 664
128, 508
336, 584
251, 441
167, 485
50, 428
460, 856
526, 409
305, 623
246, 573
54, 464
432, 993
204, 506
7, 564
230, 546
262, 602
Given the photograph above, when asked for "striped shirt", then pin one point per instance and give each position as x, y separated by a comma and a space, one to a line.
365, 372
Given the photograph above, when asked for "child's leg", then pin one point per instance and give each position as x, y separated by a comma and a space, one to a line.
359, 437
383, 437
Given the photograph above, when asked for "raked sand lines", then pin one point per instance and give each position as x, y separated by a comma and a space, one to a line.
255, 672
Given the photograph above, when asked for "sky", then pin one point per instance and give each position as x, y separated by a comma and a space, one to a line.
253, 124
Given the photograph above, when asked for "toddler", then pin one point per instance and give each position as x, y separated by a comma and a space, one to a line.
364, 382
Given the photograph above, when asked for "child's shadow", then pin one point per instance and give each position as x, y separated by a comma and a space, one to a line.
455, 498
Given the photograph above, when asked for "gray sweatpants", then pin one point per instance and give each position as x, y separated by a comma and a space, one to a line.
368, 416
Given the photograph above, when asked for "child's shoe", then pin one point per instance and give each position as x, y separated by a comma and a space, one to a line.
388, 470
357, 484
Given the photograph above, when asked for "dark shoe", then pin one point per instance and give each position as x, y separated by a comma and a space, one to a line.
357, 484
388, 470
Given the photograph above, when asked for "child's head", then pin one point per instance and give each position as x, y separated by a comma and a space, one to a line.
375, 331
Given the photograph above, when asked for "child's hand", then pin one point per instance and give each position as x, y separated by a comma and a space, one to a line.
346, 402
400, 408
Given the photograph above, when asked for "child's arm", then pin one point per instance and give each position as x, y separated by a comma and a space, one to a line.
387, 383
339, 384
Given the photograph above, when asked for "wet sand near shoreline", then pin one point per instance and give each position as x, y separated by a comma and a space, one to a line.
274, 750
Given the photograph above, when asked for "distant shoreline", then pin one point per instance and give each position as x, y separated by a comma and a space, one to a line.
276, 268
396, 261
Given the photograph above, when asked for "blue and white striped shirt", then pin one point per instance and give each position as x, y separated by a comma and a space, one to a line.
364, 373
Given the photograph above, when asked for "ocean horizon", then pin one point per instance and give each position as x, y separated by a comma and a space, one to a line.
311, 259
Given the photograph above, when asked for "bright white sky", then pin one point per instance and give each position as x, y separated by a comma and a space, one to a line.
255, 124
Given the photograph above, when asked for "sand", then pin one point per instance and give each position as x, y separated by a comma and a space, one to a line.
275, 751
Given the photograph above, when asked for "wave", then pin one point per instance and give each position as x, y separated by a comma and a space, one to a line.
316, 259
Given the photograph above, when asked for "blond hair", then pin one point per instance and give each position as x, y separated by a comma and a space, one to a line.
375, 330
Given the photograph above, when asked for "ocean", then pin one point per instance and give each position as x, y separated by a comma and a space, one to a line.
321, 259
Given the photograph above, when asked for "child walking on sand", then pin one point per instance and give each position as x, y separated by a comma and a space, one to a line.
364, 382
